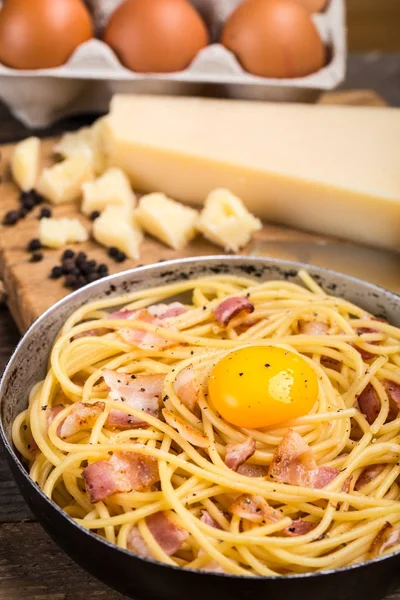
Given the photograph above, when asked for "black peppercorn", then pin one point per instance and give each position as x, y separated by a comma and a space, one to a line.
70, 281
36, 257
113, 252
94, 215
23, 212
11, 218
68, 266
68, 254
102, 269
45, 213
34, 245
93, 277
121, 257
56, 272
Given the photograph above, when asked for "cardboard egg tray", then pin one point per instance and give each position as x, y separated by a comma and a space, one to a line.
93, 73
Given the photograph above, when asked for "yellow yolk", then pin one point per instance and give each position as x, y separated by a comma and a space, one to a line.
261, 386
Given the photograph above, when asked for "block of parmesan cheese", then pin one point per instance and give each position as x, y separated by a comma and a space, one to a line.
332, 170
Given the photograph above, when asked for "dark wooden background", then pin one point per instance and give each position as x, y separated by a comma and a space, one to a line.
31, 565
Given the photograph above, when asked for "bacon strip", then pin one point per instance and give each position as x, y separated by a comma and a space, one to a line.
168, 536
139, 337
165, 311
189, 433
294, 463
299, 527
367, 475
370, 404
237, 454
231, 307
142, 391
207, 519
82, 416
365, 355
187, 388
250, 470
255, 509
313, 327
386, 538
123, 472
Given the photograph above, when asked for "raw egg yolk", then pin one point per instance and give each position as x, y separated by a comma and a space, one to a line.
259, 386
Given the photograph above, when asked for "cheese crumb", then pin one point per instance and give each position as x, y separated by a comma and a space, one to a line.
167, 220
25, 163
55, 233
116, 227
225, 221
86, 143
62, 182
112, 188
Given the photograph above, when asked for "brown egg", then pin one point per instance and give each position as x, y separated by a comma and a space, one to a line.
274, 38
42, 34
313, 6
156, 36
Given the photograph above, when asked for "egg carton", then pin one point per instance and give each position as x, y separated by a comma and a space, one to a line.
86, 83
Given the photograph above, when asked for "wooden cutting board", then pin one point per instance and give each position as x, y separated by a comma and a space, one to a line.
29, 291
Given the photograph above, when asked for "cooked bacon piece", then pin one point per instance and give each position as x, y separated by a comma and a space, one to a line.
365, 355
139, 337
168, 536
250, 470
52, 413
367, 475
95, 332
209, 520
299, 527
189, 433
346, 484
123, 472
213, 567
230, 308
255, 509
313, 327
369, 403
294, 463
187, 388
324, 476
141, 391
165, 311
237, 454
393, 392
82, 416
386, 538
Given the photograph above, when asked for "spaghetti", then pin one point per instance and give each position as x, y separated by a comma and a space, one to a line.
124, 437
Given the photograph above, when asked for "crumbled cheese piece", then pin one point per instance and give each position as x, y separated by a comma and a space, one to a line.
115, 228
112, 188
86, 143
25, 163
55, 233
62, 182
167, 220
225, 220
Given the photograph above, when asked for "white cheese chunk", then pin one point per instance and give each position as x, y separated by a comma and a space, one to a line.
225, 221
62, 182
86, 143
167, 220
115, 227
25, 163
55, 233
112, 188
329, 169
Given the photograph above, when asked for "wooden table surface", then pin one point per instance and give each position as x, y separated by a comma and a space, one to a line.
31, 565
